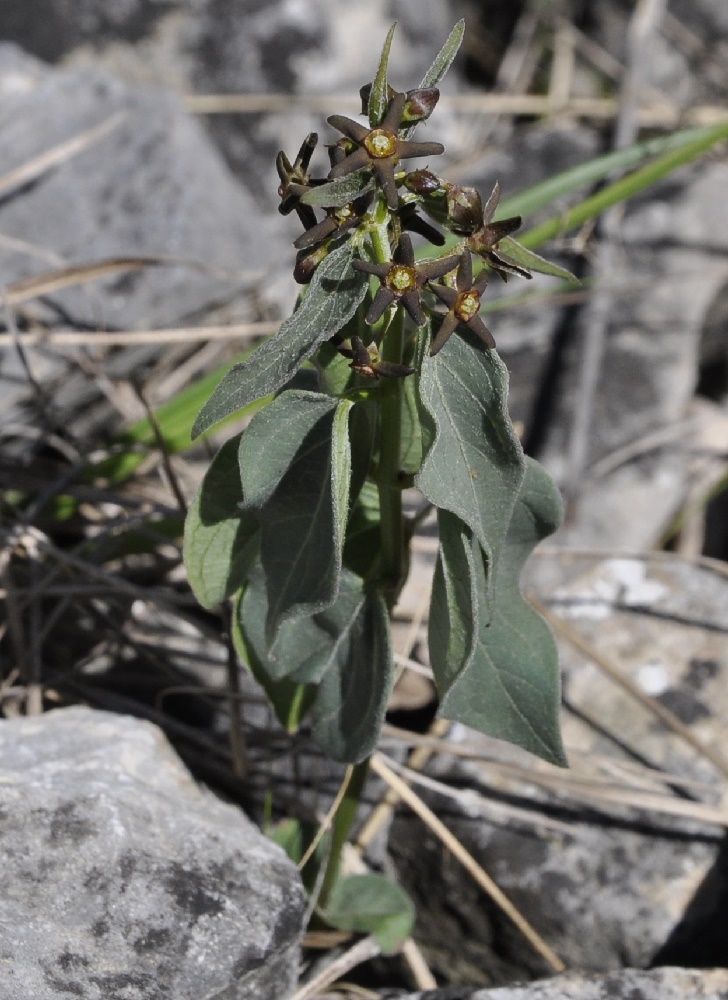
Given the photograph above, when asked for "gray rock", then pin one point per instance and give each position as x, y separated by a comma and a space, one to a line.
629, 984
124, 879
153, 186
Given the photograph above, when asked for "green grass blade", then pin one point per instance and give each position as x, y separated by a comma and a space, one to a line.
546, 192
174, 419
626, 187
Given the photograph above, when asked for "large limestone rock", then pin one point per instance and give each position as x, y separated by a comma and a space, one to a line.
124, 880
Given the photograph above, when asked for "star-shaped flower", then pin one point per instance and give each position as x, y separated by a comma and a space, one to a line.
337, 221
484, 240
380, 149
464, 304
367, 360
295, 181
402, 280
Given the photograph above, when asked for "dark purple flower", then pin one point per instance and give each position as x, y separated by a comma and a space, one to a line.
484, 239
402, 280
380, 149
463, 303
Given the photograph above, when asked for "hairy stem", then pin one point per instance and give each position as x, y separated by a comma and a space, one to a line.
389, 485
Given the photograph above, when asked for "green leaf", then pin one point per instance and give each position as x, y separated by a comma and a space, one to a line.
532, 261
442, 63
352, 697
444, 58
474, 464
361, 548
345, 649
547, 192
379, 96
305, 648
411, 430
295, 464
331, 300
371, 904
500, 678
220, 541
340, 191
291, 702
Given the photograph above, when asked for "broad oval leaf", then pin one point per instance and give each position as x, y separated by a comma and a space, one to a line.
341, 190
295, 466
220, 541
330, 301
352, 697
305, 648
291, 701
371, 904
345, 650
500, 678
474, 465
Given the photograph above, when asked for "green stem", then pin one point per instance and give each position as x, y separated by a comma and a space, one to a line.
341, 827
388, 479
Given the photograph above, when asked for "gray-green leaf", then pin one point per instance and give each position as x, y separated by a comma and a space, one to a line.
331, 300
532, 261
305, 648
442, 63
340, 191
295, 465
444, 58
352, 697
379, 96
500, 678
474, 465
220, 540
371, 904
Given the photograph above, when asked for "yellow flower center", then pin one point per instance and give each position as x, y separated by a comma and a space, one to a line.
381, 143
401, 279
467, 305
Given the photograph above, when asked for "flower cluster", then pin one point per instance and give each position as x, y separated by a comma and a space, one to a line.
367, 191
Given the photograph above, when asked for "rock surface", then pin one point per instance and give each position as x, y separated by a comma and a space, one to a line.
152, 185
124, 879
629, 984
607, 861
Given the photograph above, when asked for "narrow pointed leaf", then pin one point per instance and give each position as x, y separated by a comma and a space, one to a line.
295, 465
352, 697
474, 464
444, 58
379, 96
220, 540
340, 191
500, 678
371, 904
442, 63
331, 300
532, 261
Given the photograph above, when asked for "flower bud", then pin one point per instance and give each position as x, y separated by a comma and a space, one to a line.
464, 209
420, 105
422, 182
307, 261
